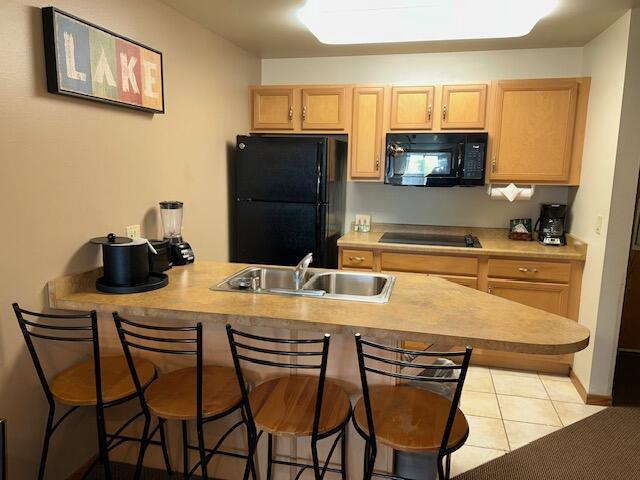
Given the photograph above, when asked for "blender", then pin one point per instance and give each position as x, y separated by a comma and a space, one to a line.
171, 214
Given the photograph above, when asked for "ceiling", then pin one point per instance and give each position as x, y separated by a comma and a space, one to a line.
271, 29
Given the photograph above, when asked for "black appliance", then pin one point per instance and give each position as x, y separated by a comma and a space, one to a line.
467, 241
551, 226
171, 212
435, 159
126, 266
161, 260
290, 196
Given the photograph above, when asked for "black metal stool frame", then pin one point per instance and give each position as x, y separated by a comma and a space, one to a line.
444, 452
87, 333
319, 470
190, 346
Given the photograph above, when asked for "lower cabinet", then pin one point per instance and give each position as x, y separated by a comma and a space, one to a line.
552, 286
550, 297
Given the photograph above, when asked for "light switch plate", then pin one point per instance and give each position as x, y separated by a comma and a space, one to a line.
599, 224
133, 231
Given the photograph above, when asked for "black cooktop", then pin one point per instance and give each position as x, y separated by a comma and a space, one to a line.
468, 241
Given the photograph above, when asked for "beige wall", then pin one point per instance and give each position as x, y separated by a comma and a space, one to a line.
608, 188
74, 169
464, 207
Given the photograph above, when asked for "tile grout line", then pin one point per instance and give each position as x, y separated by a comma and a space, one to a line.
553, 405
504, 428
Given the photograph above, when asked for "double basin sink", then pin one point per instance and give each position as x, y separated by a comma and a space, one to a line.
329, 284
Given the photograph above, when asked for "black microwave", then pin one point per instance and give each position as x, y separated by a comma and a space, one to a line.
435, 159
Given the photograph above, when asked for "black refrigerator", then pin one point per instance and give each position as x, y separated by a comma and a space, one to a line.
290, 195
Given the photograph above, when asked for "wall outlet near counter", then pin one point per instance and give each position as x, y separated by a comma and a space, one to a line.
133, 231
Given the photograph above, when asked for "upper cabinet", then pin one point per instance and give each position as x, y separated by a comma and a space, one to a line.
273, 108
537, 134
300, 109
411, 108
323, 108
366, 143
464, 106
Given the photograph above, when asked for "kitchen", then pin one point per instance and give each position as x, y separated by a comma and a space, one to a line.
88, 185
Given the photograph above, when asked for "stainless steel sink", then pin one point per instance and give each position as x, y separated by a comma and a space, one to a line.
330, 284
350, 284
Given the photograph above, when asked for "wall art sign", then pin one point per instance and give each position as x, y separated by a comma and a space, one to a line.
88, 61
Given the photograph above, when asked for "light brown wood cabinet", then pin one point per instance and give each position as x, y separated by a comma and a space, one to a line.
366, 142
549, 285
534, 130
323, 108
300, 109
464, 106
550, 297
273, 108
411, 108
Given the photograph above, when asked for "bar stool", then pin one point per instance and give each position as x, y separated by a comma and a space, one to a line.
405, 417
100, 382
203, 393
293, 405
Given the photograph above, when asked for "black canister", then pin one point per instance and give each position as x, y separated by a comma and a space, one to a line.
126, 261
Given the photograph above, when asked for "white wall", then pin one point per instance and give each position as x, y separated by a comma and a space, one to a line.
608, 188
461, 207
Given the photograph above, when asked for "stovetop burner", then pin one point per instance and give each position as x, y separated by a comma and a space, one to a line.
466, 241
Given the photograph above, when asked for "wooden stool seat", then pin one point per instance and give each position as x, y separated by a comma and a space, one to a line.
285, 406
410, 419
173, 395
77, 384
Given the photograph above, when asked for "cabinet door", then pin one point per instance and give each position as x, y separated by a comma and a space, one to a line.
323, 108
534, 129
273, 108
550, 297
366, 135
464, 106
471, 282
411, 108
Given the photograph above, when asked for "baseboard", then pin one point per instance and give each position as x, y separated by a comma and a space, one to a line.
589, 398
79, 473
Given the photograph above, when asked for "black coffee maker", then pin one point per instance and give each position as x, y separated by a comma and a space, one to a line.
551, 224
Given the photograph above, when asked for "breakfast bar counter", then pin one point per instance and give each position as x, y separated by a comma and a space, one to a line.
421, 308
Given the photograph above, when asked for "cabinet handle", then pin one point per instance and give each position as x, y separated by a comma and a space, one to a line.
304, 113
356, 259
528, 270
291, 112
444, 112
377, 162
493, 164
429, 112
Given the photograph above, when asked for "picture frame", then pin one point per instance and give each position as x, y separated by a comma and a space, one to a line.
87, 61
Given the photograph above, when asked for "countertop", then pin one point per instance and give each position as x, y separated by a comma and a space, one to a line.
421, 308
494, 241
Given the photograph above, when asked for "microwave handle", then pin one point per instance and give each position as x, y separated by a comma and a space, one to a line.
459, 168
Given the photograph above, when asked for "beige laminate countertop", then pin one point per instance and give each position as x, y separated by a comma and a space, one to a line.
421, 308
494, 241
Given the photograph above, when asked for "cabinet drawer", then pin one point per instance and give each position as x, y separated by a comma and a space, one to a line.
530, 270
442, 264
357, 259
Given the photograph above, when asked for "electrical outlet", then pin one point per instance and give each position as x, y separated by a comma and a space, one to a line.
598, 224
133, 231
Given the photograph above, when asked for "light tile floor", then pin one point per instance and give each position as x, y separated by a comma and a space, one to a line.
507, 409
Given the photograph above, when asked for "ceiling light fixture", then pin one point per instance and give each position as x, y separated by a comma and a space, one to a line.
386, 21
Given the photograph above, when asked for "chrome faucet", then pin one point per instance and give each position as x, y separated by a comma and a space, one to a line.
301, 270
